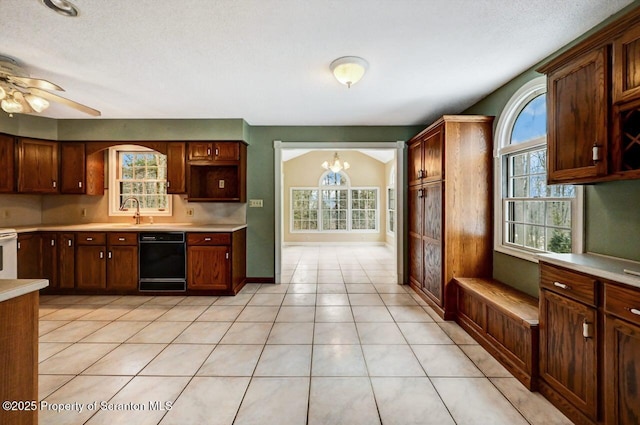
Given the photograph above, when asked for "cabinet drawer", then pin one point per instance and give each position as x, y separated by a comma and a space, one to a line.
118, 238
622, 302
209, 239
568, 283
91, 238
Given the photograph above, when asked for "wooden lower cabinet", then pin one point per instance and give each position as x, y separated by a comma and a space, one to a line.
91, 267
216, 262
66, 260
568, 359
621, 355
49, 257
29, 256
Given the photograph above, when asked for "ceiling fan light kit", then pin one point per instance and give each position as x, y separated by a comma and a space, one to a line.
349, 69
21, 94
63, 7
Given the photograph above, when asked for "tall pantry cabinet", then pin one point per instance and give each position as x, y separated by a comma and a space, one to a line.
450, 195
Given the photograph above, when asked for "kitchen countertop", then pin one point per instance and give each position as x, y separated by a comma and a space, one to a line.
597, 265
13, 288
129, 227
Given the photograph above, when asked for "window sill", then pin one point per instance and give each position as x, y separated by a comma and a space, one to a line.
518, 253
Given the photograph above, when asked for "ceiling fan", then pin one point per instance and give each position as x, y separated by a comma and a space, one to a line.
21, 94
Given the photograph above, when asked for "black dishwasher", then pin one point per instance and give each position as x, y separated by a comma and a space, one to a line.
162, 261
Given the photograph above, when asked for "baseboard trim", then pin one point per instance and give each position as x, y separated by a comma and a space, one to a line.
261, 280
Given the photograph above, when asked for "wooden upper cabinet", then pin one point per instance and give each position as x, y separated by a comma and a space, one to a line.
214, 151
176, 167
72, 168
577, 100
626, 66
37, 166
415, 162
432, 154
7, 160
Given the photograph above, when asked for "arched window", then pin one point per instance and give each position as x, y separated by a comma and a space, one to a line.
334, 206
531, 216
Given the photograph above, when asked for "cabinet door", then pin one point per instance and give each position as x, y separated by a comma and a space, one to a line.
37, 166
122, 268
626, 66
72, 168
208, 267
91, 270
432, 147
66, 260
432, 242
29, 256
577, 114
416, 209
622, 372
176, 168
568, 359
415, 163
226, 151
199, 151
50, 258
7, 159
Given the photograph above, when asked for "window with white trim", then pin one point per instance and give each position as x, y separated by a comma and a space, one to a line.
139, 172
532, 217
334, 206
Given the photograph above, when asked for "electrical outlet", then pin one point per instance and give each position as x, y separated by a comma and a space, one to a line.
255, 203
220, 184
83, 213
190, 212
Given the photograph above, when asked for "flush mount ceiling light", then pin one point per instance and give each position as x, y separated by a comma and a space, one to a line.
335, 165
62, 7
349, 69
20, 94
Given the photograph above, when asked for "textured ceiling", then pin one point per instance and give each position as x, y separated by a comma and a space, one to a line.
267, 61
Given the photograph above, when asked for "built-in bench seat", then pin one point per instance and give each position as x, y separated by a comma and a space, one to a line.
504, 321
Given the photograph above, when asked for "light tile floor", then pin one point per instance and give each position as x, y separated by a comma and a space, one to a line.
338, 343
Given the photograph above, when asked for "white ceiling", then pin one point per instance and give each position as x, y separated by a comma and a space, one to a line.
267, 61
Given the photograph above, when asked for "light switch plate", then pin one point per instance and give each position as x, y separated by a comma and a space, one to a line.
220, 184
255, 203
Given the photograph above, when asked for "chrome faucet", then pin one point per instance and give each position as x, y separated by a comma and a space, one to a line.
136, 216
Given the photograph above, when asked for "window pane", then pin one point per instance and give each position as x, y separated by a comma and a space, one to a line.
559, 240
531, 122
518, 164
534, 212
534, 237
559, 214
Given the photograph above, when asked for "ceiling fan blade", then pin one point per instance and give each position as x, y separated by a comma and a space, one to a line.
54, 97
33, 82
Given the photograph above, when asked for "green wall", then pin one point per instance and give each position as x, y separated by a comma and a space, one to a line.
612, 219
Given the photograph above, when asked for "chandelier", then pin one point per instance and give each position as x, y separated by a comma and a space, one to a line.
335, 165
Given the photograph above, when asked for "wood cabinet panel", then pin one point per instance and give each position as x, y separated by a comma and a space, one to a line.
568, 359
91, 238
200, 151
72, 168
66, 260
122, 238
29, 258
570, 284
91, 271
226, 151
176, 168
37, 166
7, 163
433, 155
217, 172
626, 66
209, 239
415, 162
208, 267
621, 372
122, 267
578, 119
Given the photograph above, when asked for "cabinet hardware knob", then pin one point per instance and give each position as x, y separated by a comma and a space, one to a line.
101, 255
109, 255
54, 184
209, 151
53, 242
80, 185
217, 152
18, 245
207, 239
420, 174
121, 239
587, 329
69, 242
595, 152
168, 183
226, 255
635, 311
561, 285
89, 239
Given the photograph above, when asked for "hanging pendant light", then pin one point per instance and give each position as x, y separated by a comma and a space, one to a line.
336, 165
